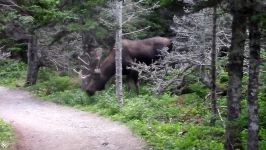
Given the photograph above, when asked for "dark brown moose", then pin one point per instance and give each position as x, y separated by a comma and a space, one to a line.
145, 51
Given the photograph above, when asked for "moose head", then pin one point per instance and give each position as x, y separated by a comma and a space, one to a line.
90, 71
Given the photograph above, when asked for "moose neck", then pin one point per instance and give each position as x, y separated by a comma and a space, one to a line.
107, 67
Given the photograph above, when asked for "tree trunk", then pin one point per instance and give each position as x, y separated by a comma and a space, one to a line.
235, 71
213, 67
118, 53
254, 63
33, 61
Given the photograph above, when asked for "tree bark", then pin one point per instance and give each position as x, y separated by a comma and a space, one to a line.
254, 63
235, 71
118, 53
213, 67
33, 61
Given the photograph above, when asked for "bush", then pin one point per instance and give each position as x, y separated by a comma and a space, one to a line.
13, 72
49, 82
6, 136
69, 97
165, 121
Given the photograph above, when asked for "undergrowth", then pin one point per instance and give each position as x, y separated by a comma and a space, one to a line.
6, 136
165, 121
12, 72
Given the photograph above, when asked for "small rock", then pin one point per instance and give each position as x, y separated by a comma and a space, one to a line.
105, 143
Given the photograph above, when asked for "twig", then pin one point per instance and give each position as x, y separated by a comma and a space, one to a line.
221, 118
137, 31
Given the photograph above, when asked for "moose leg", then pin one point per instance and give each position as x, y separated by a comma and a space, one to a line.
134, 76
129, 84
137, 86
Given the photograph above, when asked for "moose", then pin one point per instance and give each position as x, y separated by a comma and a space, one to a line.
144, 51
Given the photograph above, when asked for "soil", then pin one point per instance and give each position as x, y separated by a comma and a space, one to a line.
43, 125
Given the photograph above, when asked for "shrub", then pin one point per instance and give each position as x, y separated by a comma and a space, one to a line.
6, 136
49, 82
69, 97
12, 72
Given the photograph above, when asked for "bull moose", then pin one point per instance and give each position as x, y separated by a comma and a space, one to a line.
144, 51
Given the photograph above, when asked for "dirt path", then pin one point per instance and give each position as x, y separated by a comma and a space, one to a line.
42, 125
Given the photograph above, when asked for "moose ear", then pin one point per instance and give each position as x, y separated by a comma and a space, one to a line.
98, 53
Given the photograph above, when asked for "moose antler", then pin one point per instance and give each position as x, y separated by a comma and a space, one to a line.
83, 66
98, 56
93, 63
83, 61
80, 74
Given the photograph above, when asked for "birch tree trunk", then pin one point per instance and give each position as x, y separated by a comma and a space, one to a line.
118, 52
235, 71
213, 67
33, 61
254, 63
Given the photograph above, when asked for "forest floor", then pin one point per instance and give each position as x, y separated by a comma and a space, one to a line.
42, 125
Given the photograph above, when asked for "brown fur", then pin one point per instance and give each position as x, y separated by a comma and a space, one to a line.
140, 50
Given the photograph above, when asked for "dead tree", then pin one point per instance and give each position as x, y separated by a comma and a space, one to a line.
193, 38
117, 19
118, 53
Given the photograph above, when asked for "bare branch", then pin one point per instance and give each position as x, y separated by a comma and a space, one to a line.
129, 18
137, 31
1, 48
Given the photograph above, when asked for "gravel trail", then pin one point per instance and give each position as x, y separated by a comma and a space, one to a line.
42, 125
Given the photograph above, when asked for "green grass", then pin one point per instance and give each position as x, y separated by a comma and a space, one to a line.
6, 136
166, 122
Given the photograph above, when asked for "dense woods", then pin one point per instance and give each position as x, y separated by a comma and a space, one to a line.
204, 90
